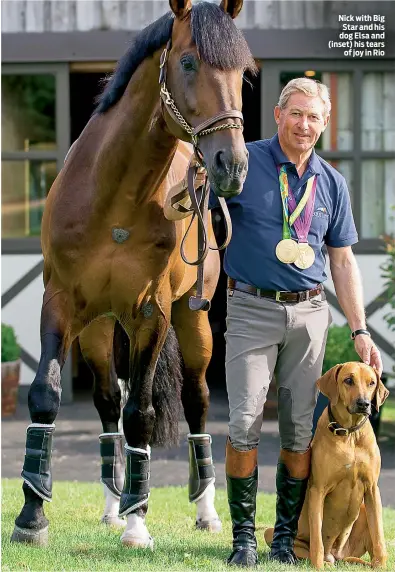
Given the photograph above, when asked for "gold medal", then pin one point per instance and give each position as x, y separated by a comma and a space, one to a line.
287, 250
305, 257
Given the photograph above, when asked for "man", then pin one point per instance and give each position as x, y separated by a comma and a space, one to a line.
292, 204
278, 316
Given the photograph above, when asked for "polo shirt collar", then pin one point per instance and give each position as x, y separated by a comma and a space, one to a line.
314, 165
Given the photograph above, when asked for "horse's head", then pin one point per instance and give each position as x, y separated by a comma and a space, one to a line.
201, 83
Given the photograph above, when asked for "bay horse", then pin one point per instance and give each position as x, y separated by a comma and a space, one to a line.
111, 257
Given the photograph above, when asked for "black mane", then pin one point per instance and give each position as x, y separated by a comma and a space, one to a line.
219, 43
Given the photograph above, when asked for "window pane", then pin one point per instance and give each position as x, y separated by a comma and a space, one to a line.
378, 197
346, 168
339, 132
25, 185
28, 112
378, 116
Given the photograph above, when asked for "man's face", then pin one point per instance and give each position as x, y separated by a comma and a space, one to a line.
301, 123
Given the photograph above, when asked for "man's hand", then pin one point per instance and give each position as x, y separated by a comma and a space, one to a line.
368, 352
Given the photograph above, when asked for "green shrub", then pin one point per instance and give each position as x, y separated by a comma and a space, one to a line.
339, 347
10, 350
388, 268
388, 273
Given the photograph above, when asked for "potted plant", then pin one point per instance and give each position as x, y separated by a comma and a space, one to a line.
10, 368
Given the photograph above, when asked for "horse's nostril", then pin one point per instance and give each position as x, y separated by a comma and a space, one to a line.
219, 161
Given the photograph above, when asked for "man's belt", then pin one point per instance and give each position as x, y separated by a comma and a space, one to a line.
280, 296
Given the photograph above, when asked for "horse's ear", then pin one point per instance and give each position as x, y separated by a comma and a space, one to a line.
327, 384
232, 7
380, 394
181, 8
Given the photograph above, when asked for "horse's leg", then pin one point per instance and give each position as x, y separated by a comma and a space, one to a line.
44, 401
96, 343
147, 336
195, 340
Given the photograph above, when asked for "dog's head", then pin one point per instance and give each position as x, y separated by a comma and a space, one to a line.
356, 385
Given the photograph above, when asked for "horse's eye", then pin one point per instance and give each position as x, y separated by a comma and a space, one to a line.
349, 381
188, 63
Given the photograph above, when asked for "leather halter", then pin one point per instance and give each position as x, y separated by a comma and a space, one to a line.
341, 431
198, 183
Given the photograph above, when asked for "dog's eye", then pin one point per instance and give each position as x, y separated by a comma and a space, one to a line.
349, 381
372, 383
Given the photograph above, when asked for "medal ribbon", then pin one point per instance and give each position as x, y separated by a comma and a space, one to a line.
301, 225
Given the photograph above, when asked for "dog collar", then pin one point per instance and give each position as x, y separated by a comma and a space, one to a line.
338, 429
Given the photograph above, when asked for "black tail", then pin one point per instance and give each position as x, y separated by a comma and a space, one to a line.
166, 393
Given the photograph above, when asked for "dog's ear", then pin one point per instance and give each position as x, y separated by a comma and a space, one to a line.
381, 393
327, 384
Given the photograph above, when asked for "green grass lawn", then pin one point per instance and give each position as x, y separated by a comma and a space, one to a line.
79, 542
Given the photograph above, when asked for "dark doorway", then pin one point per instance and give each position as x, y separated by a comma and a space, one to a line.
84, 88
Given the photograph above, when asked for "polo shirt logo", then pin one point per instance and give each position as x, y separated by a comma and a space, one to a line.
321, 212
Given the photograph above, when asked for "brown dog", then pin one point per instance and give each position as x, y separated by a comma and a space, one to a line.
342, 514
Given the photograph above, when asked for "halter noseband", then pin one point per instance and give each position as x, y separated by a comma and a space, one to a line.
204, 128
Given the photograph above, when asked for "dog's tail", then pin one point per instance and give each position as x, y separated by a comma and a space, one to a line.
354, 560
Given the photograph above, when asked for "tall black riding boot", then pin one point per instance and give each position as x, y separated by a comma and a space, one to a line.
242, 485
291, 481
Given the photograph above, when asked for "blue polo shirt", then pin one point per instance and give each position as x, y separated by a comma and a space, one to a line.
257, 220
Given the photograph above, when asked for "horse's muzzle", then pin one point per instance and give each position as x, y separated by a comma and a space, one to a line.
228, 172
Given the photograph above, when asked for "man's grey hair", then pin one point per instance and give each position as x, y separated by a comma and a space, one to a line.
309, 87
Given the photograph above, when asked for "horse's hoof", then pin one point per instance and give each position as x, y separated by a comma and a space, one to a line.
214, 525
113, 520
31, 536
137, 541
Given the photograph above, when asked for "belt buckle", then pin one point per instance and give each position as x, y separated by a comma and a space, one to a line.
278, 296
303, 296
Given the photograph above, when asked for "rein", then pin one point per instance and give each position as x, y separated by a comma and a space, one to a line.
197, 181
338, 429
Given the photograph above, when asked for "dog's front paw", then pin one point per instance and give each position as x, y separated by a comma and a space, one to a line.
317, 561
379, 561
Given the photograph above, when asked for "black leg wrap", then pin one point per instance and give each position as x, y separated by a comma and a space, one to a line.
136, 487
242, 505
201, 468
113, 465
291, 493
36, 470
